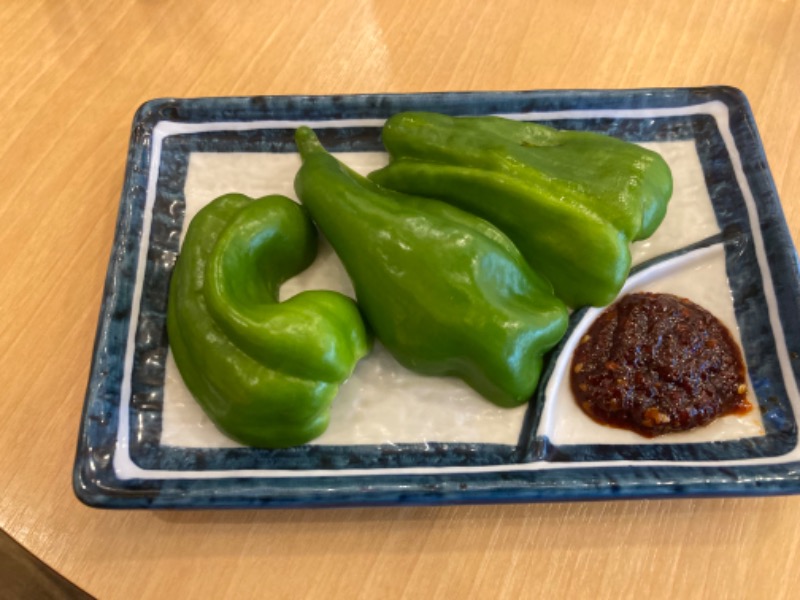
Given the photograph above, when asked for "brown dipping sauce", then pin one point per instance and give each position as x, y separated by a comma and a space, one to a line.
656, 363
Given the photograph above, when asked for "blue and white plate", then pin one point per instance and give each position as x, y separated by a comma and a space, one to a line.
400, 438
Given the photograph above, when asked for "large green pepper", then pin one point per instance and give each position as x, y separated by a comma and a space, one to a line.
264, 371
571, 201
446, 292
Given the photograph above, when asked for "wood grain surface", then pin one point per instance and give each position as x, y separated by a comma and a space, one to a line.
73, 74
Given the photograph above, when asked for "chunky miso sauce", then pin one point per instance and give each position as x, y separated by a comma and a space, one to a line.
657, 363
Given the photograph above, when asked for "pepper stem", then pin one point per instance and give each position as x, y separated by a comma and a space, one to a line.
307, 141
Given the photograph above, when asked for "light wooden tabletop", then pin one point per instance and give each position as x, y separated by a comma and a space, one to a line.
74, 73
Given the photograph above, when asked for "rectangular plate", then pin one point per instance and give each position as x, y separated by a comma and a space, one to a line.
725, 217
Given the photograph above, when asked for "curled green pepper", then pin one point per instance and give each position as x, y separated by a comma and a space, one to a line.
264, 371
446, 292
571, 201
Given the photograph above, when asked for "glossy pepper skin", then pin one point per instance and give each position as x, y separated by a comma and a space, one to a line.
264, 371
446, 292
571, 201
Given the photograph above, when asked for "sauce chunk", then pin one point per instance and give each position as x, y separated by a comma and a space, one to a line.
657, 363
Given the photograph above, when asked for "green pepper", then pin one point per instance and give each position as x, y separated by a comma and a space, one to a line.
571, 201
264, 371
445, 292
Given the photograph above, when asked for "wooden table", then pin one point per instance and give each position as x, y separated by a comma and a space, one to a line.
74, 73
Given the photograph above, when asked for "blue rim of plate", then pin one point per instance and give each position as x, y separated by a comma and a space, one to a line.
120, 462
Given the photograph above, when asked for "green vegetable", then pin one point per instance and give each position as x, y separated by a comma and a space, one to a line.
264, 371
571, 201
445, 291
